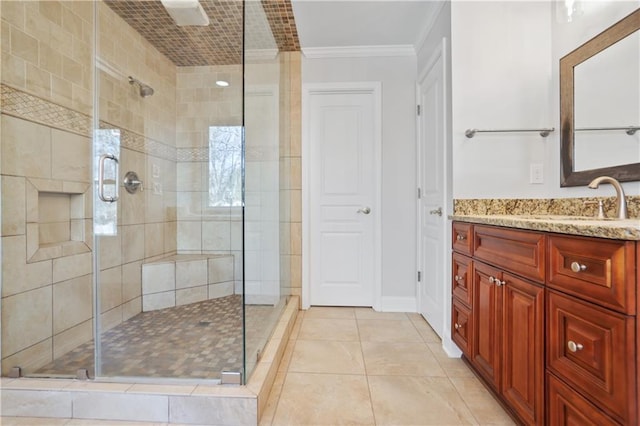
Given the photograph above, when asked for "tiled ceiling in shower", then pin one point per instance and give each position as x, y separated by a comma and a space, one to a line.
269, 25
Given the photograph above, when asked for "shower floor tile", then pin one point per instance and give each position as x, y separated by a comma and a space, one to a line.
198, 340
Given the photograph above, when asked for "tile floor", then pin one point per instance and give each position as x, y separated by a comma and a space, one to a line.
198, 340
357, 366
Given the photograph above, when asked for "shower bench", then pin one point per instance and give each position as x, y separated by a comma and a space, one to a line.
186, 278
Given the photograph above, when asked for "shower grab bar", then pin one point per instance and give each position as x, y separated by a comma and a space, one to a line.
543, 132
630, 130
101, 181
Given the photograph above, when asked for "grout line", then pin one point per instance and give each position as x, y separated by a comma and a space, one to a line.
366, 372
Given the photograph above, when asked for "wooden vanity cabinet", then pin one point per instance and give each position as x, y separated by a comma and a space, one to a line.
461, 275
591, 329
504, 340
508, 340
523, 347
591, 349
462, 326
552, 324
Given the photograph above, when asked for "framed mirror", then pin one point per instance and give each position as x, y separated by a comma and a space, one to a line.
600, 106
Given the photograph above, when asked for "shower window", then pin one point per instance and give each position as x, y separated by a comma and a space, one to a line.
225, 166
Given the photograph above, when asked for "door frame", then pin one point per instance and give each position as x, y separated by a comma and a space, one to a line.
308, 90
441, 51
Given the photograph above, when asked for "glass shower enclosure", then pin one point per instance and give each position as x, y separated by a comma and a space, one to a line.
143, 160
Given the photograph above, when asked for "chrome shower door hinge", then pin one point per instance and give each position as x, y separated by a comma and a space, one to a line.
231, 378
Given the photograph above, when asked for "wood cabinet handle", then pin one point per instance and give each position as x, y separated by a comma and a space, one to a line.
577, 267
457, 326
460, 237
574, 347
458, 278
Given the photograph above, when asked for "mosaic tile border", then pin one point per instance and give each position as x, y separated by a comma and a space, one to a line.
192, 154
553, 206
29, 107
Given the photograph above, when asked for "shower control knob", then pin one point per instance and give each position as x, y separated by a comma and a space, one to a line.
132, 183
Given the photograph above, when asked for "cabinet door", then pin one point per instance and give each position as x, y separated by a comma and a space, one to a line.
461, 330
462, 238
567, 408
592, 349
523, 348
462, 272
487, 311
514, 250
600, 271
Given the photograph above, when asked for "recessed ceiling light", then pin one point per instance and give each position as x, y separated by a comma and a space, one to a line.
222, 83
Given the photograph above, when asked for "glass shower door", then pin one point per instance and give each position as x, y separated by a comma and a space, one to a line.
168, 287
45, 140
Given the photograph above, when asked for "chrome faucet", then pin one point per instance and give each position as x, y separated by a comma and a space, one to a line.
621, 200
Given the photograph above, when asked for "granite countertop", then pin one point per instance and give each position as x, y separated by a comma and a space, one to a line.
619, 229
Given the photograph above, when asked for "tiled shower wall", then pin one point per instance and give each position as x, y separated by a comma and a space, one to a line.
47, 69
290, 173
46, 125
147, 219
203, 229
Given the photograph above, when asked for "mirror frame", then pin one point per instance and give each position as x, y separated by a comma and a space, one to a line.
610, 36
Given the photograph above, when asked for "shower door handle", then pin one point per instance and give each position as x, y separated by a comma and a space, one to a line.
103, 159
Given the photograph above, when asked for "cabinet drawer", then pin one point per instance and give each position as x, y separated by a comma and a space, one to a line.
520, 252
601, 271
462, 237
462, 274
592, 349
461, 326
566, 407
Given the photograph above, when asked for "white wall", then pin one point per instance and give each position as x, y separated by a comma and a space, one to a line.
505, 59
501, 69
398, 76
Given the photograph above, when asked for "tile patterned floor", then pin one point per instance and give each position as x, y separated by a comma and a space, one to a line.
198, 340
357, 366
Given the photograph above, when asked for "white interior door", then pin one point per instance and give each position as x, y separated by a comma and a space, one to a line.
432, 202
343, 186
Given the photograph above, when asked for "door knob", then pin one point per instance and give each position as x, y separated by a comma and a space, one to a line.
365, 210
437, 211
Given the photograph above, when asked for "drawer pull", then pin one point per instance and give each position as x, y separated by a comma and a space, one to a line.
574, 347
576, 267
460, 237
496, 281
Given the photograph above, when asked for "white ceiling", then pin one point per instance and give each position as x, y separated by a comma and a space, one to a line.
347, 23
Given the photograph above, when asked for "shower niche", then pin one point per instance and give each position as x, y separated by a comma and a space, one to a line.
57, 222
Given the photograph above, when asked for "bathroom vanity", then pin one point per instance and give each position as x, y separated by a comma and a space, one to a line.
544, 309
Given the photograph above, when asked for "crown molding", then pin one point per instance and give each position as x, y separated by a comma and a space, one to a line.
358, 51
